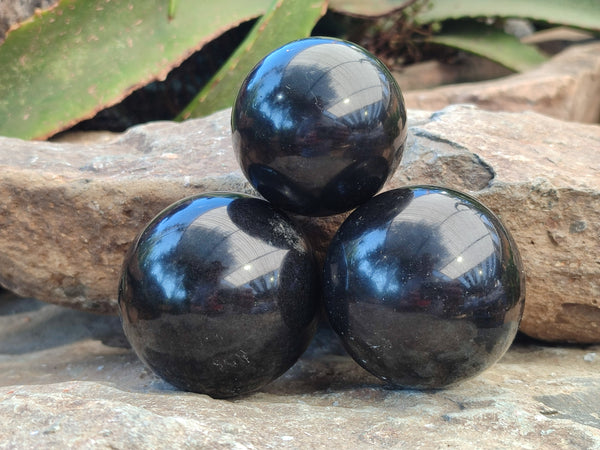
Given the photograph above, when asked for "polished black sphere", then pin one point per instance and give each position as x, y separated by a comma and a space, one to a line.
424, 286
219, 294
318, 126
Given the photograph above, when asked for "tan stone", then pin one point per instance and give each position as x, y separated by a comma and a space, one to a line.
566, 87
69, 212
542, 177
68, 389
429, 74
14, 11
556, 39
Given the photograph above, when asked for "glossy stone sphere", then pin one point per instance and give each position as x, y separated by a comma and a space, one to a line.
219, 294
318, 126
424, 286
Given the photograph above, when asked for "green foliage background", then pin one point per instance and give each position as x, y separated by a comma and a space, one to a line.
65, 64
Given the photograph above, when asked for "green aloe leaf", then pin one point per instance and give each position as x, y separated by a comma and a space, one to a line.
576, 13
285, 21
67, 63
369, 8
490, 43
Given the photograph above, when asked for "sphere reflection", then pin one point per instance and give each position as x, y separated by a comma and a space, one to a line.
425, 286
219, 294
307, 114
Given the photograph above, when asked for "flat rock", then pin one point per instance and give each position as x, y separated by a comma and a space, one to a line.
433, 73
70, 211
67, 381
14, 11
566, 87
542, 177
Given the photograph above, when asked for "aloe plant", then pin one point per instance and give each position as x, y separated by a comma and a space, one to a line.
65, 64
492, 42
479, 37
283, 22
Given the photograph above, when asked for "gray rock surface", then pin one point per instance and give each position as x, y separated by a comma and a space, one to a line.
542, 177
70, 211
566, 87
68, 381
14, 11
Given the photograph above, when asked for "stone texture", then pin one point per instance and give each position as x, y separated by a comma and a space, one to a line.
542, 177
67, 381
14, 11
566, 87
70, 211
433, 73
556, 39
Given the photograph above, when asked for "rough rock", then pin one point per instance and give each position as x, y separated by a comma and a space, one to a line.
70, 211
566, 87
433, 73
542, 177
556, 39
68, 382
14, 11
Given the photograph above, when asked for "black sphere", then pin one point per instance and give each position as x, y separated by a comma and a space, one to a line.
318, 126
219, 294
424, 286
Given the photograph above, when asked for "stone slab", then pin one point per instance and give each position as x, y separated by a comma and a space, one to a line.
67, 380
70, 211
566, 87
542, 177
